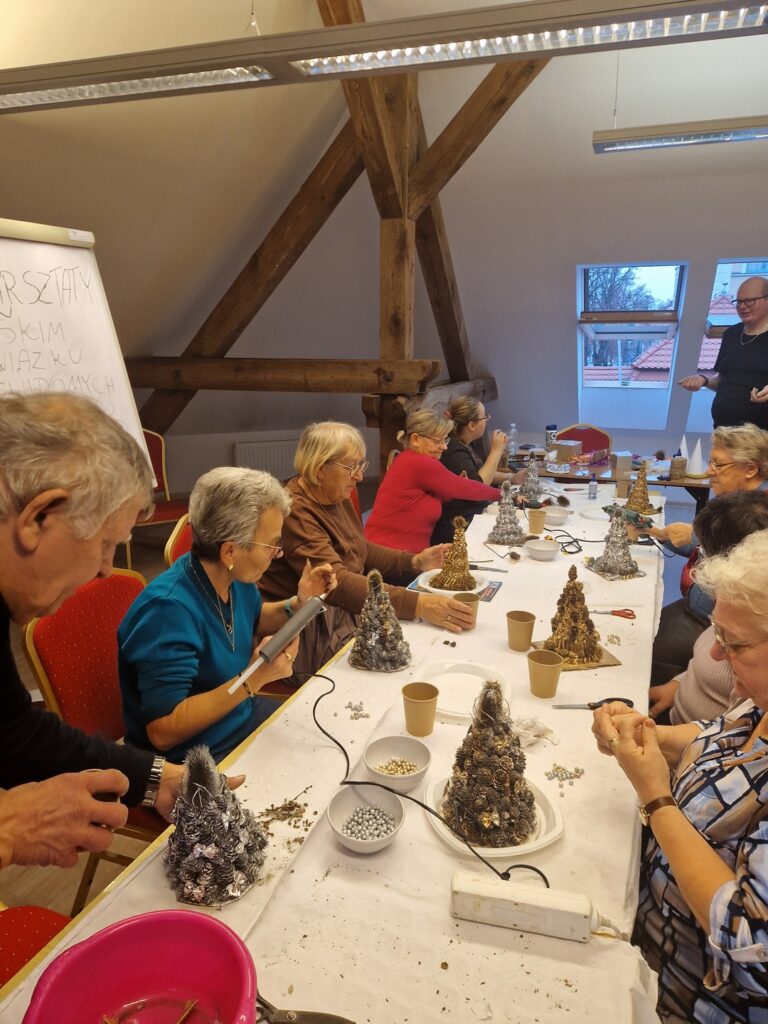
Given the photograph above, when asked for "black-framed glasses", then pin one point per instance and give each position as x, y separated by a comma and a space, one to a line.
358, 467
749, 303
729, 647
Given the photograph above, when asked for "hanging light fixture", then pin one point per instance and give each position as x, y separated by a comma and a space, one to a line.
691, 133
535, 28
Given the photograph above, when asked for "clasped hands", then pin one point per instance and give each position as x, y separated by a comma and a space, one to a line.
633, 740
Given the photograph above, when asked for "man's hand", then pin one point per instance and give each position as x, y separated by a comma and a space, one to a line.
693, 383
759, 394
49, 823
170, 781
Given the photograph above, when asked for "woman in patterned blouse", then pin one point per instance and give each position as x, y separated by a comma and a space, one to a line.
702, 921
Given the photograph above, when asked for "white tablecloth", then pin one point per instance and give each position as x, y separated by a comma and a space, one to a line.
367, 936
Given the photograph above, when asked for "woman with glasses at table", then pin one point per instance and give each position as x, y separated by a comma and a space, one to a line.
470, 421
323, 526
410, 498
198, 625
740, 380
702, 918
738, 462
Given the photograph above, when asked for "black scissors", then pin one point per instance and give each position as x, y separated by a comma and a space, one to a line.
265, 1011
592, 704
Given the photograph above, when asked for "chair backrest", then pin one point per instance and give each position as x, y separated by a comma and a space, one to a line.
392, 456
180, 541
156, 447
73, 653
593, 439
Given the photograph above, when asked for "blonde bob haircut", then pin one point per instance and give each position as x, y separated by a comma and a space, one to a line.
428, 423
746, 443
325, 442
740, 577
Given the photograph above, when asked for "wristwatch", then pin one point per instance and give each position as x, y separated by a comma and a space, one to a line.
645, 811
153, 783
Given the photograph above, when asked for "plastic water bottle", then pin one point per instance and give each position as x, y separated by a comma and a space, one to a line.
592, 489
512, 442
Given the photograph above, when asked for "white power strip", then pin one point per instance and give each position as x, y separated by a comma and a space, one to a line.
526, 907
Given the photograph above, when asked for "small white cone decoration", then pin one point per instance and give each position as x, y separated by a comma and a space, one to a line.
696, 462
684, 447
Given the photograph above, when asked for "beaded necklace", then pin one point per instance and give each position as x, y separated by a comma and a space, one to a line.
229, 627
753, 338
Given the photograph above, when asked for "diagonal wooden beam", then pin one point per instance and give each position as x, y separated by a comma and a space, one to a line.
464, 132
333, 376
370, 101
335, 173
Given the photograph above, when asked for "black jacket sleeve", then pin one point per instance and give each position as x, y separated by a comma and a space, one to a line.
35, 745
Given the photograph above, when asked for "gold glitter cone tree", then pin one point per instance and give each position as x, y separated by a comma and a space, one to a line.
487, 800
379, 643
574, 636
455, 574
638, 496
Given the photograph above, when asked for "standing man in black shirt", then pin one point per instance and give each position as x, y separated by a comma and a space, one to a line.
740, 381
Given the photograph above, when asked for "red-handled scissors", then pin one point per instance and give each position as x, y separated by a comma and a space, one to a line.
623, 613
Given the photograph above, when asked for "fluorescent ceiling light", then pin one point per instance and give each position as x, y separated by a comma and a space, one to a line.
692, 133
512, 31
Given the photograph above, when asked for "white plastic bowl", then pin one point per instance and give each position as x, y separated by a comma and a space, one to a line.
542, 550
382, 750
344, 803
556, 516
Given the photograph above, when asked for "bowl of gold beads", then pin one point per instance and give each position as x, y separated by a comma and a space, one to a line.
397, 761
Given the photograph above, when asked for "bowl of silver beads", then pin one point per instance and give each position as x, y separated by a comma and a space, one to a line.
397, 761
365, 819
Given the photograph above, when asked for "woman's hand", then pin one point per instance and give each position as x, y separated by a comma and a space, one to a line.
498, 442
444, 611
759, 394
678, 534
605, 723
315, 582
281, 666
634, 532
430, 558
693, 383
641, 759
662, 697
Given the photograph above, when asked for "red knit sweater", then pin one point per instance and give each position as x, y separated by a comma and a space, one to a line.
410, 500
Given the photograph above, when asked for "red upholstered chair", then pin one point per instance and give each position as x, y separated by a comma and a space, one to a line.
165, 510
23, 932
180, 541
73, 656
593, 439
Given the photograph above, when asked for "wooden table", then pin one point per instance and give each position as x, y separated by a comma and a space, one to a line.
697, 487
371, 938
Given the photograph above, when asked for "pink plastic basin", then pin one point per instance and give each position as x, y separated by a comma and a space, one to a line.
178, 953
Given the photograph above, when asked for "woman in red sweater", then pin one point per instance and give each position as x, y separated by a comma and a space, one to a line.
410, 499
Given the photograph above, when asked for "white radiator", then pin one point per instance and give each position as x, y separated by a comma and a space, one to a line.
275, 455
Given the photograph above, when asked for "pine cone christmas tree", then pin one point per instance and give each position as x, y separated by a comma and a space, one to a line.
455, 574
379, 644
487, 800
507, 529
531, 488
574, 636
616, 560
216, 852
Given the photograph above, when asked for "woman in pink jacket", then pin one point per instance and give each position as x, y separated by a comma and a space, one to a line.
410, 499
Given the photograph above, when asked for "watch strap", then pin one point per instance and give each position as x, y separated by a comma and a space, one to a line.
153, 782
288, 607
661, 801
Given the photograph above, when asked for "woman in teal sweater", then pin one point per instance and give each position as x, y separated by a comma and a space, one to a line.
194, 629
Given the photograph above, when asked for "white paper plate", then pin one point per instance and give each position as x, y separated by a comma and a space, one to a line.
549, 825
424, 581
595, 513
460, 684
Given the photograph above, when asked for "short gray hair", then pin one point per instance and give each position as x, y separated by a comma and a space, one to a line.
746, 443
226, 504
740, 576
50, 441
323, 442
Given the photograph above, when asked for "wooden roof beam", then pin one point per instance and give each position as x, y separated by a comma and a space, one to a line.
334, 376
464, 132
335, 173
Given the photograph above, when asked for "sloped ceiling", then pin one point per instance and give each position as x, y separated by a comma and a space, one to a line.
179, 191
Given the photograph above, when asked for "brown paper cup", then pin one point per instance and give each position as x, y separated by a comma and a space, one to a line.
420, 703
472, 601
520, 630
536, 518
544, 669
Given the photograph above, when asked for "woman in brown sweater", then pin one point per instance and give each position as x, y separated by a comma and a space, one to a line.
323, 526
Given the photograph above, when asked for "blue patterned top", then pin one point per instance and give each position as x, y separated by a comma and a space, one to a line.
721, 977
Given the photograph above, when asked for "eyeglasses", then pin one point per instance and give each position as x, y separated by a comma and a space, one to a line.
359, 467
730, 647
276, 548
749, 303
481, 419
717, 466
434, 440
